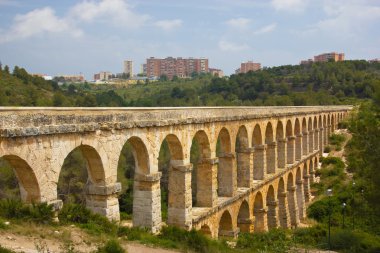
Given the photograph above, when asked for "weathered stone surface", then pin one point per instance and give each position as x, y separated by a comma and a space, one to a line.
255, 158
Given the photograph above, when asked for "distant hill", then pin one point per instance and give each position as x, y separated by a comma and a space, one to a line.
345, 82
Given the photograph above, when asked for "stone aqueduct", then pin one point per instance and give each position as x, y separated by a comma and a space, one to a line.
259, 178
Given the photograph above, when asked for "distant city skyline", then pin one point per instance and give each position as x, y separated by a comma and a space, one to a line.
72, 37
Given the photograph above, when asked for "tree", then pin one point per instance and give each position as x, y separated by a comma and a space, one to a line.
6, 69
163, 77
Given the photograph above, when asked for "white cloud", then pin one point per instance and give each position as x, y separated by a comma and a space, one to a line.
289, 5
233, 47
266, 29
346, 18
116, 11
168, 25
239, 23
38, 21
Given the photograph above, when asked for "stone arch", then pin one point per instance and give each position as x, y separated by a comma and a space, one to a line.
272, 208
311, 133
141, 206
305, 140
205, 229
283, 211
244, 221
204, 192
333, 123
306, 181
316, 133
292, 204
173, 182
290, 144
243, 158
226, 176
259, 212
281, 145
225, 225
298, 140
27, 180
271, 153
300, 194
325, 130
259, 154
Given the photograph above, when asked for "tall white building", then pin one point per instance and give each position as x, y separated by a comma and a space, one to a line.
128, 67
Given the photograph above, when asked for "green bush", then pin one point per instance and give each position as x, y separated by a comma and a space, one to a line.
343, 125
112, 246
336, 161
275, 240
4, 250
310, 236
95, 223
15, 209
327, 149
354, 241
336, 139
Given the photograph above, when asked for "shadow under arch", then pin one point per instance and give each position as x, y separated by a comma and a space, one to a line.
29, 188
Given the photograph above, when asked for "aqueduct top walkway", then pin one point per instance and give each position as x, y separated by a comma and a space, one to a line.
254, 171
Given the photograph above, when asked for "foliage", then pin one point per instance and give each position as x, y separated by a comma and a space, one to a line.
276, 240
78, 214
15, 209
9, 188
4, 250
112, 246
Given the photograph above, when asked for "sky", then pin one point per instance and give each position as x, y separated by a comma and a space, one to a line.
88, 36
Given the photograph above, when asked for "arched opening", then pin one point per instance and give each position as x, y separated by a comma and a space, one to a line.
133, 164
271, 154
260, 213
321, 135
290, 145
272, 208
328, 128
205, 229
292, 204
204, 193
311, 135
306, 182
305, 141
225, 177
283, 211
333, 124
259, 154
244, 221
225, 225
17, 180
170, 155
281, 146
316, 133
243, 157
82, 170
325, 131
300, 194
297, 132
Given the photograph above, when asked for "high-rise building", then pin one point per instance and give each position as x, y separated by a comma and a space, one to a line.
170, 66
248, 66
128, 67
329, 56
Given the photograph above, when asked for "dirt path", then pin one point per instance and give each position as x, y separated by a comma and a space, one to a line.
80, 242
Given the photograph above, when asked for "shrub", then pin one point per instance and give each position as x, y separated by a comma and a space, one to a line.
354, 241
112, 246
4, 250
15, 209
336, 161
73, 213
327, 149
336, 139
275, 240
310, 236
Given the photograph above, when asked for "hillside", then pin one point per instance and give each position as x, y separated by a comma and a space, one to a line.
345, 82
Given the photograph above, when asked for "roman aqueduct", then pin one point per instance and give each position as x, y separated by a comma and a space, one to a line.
258, 179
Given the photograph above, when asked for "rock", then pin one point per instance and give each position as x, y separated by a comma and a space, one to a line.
7, 223
56, 232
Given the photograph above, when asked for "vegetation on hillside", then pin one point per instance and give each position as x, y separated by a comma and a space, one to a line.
314, 84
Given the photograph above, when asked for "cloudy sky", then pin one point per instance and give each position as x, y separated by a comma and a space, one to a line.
73, 36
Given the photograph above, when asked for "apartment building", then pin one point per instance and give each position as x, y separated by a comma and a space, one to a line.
248, 66
329, 56
128, 67
170, 66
